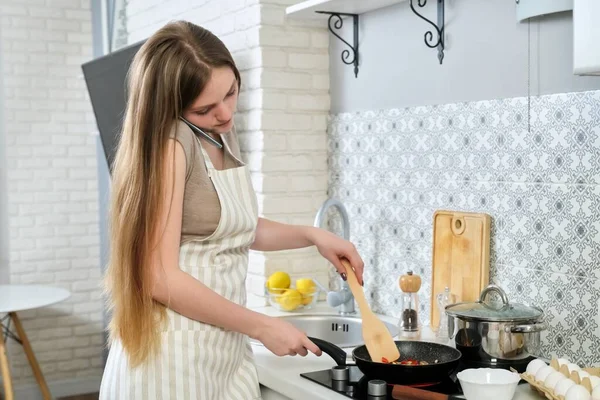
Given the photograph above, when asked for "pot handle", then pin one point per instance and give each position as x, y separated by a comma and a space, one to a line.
338, 354
494, 288
528, 328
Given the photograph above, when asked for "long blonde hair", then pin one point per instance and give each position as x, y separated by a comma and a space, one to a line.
167, 74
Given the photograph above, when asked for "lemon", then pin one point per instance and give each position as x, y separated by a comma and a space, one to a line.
290, 300
306, 300
306, 287
278, 282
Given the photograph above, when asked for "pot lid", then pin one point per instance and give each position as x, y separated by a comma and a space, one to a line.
494, 311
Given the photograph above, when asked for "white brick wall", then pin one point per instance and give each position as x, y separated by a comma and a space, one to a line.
52, 189
294, 111
4, 256
51, 164
282, 109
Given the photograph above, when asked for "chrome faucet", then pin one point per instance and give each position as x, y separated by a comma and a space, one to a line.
342, 298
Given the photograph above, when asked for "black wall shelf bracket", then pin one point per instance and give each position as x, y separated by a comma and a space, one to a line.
439, 28
336, 21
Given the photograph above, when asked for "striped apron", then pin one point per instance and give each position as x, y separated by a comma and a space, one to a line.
197, 360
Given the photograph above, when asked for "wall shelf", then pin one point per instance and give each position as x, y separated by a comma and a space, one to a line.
534, 8
308, 9
335, 11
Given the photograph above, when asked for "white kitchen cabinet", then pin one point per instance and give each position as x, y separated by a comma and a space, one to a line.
586, 37
532, 8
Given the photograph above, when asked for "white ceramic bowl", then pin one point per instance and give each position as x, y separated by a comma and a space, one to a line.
488, 383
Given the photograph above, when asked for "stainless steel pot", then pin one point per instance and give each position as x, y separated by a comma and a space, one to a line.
495, 332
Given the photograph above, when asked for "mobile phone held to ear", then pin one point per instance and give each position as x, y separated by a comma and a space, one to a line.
203, 134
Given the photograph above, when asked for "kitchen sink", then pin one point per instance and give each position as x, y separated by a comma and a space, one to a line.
343, 331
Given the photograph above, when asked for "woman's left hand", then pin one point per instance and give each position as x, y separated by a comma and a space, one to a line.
333, 247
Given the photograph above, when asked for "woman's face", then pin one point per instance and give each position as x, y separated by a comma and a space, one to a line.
213, 110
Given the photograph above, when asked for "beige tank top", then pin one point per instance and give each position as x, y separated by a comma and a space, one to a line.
201, 207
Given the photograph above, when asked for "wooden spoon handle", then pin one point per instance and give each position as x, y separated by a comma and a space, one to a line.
409, 393
356, 289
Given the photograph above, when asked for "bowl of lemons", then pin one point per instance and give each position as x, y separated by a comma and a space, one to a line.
285, 296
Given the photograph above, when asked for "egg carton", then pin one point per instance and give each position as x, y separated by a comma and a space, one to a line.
548, 393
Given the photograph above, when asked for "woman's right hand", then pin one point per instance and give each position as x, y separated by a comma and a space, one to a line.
284, 339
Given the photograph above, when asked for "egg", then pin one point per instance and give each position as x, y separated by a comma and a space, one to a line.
562, 361
553, 379
543, 373
573, 367
595, 381
577, 392
596, 393
534, 366
582, 374
562, 387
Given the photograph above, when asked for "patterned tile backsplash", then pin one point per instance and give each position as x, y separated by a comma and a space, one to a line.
534, 168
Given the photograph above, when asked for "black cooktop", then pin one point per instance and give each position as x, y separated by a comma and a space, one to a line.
356, 385
350, 382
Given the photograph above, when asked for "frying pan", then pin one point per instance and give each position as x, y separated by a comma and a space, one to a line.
447, 362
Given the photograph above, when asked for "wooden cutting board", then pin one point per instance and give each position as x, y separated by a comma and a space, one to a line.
461, 256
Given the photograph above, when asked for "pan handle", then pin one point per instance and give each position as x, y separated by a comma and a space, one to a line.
335, 352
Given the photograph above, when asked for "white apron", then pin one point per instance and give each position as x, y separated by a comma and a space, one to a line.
197, 360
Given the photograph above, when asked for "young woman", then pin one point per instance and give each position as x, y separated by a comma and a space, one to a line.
183, 218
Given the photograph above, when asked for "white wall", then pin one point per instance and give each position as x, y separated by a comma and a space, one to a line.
4, 256
282, 109
287, 151
486, 57
52, 189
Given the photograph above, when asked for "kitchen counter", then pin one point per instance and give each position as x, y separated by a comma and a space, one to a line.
280, 376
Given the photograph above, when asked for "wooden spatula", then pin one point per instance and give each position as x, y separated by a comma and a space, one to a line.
378, 339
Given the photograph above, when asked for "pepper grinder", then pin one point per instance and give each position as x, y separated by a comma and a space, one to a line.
443, 299
409, 319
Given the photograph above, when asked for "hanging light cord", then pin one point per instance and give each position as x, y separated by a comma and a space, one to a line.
529, 75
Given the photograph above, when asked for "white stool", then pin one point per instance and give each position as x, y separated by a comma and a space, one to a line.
14, 298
